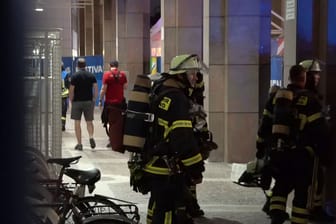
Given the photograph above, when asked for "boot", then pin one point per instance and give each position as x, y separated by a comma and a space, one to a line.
278, 216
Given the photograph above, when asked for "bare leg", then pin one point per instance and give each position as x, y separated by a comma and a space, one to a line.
78, 131
89, 126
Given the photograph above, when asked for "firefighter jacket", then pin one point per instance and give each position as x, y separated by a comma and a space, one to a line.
175, 149
65, 91
312, 126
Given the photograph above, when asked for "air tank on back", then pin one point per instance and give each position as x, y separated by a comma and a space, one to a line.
137, 115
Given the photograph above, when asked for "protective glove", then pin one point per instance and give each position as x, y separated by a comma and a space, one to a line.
138, 181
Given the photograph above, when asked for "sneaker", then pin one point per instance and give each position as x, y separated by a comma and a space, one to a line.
79, 147
92, 143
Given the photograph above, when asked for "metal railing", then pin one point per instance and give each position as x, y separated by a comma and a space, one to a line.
42, 86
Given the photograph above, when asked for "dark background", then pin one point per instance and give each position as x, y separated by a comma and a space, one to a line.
11, 92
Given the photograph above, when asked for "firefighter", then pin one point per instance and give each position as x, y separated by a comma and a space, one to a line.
65, 79
204, 140
263, 145
317, 213
298, 134
174, 152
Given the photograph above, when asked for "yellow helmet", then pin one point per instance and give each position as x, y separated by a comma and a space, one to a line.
311, 65
181, 63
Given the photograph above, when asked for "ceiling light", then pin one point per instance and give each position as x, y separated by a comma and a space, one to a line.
39, 9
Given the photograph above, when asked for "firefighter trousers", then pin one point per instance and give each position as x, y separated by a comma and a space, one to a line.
167, 200
65, 102
292, 170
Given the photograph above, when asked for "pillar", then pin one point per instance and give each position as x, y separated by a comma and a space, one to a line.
133, 37
182, 23
98, 18
237, 36
88, 30
110, 32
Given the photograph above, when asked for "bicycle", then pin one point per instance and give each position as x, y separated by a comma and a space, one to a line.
68, 199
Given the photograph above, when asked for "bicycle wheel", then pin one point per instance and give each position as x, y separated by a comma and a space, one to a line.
93, 206
107, 219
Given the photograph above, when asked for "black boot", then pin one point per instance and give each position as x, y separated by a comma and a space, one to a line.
278, 216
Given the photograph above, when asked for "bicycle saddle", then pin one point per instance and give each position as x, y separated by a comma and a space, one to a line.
65, 162
87, 177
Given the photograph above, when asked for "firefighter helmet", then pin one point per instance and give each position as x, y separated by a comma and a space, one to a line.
311, 65
181, 63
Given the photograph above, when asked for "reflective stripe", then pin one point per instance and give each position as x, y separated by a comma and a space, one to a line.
192, 160
168, 217
298, 210
176, 124
310, 150
199, 85
164, 124
65, 93
280, 129
278, 199
299, 220
259, 139
155, 170
151, 209
181, 124
314, 117
267, 113
277, 207
303, 121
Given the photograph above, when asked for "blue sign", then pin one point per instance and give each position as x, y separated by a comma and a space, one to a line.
276, 70
94, 64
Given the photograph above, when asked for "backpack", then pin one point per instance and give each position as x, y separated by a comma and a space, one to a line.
286, 122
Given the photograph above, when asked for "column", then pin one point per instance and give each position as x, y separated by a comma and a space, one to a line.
110, 32
182, 29
237, 49
133, 33
88, 29
98, 27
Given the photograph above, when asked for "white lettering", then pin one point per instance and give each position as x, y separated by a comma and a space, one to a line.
276, 82
94, 69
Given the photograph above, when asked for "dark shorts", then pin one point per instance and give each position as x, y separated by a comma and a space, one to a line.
80, 107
